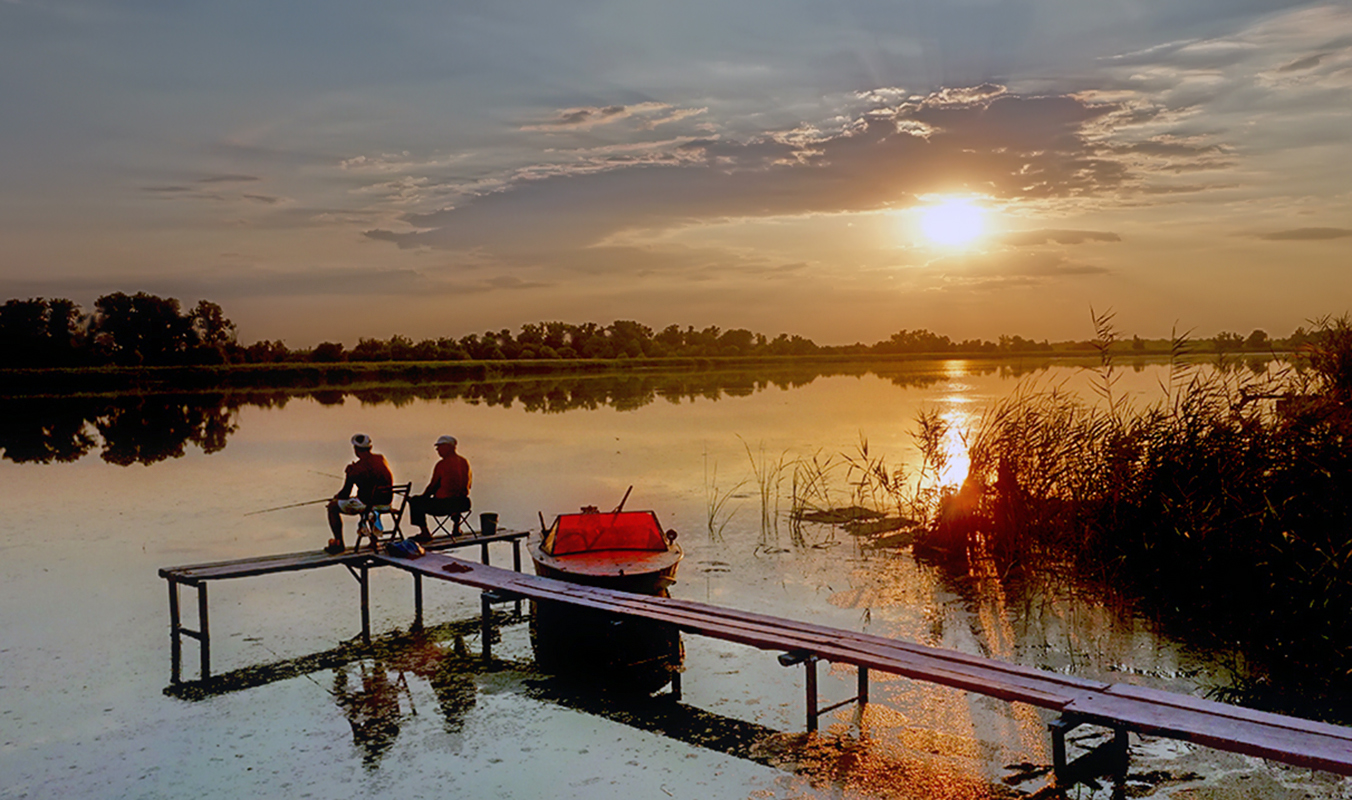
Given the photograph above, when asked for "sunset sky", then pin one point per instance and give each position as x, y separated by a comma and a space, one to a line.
838, 170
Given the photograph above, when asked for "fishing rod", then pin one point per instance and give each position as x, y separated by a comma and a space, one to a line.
293, 505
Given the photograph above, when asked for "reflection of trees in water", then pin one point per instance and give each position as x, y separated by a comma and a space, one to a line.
43, 430
130, 430
557, 394
144, 429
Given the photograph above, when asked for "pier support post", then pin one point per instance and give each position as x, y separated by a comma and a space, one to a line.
810, 679
486, 625
516, 565
486, 600
175, 635
204, 629
417, 601
809, 661
365, 580
177, 630
1110, 758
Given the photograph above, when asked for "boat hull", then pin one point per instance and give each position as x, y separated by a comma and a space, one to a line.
614, 651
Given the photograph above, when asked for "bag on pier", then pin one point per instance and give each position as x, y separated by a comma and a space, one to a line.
405, 548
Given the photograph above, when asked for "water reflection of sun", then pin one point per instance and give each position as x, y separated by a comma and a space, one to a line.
957, 460
958, 422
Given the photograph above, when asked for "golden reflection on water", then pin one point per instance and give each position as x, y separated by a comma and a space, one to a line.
955, 411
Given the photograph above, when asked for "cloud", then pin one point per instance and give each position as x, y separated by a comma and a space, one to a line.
236, 281
229, 179
1309, 62
1306, 235
647, 116
983, 139
1050, 235
197, 192
1011, 269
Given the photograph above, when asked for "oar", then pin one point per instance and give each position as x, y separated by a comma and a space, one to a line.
293, 505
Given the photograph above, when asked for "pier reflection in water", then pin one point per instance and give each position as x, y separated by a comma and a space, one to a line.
84, 621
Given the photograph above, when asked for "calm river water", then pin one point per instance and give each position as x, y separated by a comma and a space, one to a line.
155, 482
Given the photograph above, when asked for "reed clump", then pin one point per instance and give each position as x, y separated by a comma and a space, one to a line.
1227, 505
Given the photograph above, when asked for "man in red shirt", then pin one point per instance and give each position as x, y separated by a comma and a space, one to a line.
371, 476
447, 492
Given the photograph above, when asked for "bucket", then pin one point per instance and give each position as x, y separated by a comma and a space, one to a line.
488, 523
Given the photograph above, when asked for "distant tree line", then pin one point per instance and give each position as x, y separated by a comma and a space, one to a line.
146, 330
122, 330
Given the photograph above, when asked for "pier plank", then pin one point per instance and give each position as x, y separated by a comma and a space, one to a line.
1219, 729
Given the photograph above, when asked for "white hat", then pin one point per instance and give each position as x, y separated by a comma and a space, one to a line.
361, 440
446, 440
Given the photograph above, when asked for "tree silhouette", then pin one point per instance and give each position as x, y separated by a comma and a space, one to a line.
141, 329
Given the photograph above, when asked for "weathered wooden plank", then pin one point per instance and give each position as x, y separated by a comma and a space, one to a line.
313, 559
1202, 705
951, 655
996, 678
1276, 742
767, 633
778, 631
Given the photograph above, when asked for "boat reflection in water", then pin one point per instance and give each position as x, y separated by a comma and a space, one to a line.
622, 550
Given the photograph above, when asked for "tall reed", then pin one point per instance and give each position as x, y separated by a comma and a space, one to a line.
1229, 501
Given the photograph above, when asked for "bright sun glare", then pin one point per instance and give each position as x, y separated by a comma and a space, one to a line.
954, 222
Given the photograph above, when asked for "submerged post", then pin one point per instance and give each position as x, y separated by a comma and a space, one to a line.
175, 636
417, 601
486, 625
364, 579
204, 630
810, 671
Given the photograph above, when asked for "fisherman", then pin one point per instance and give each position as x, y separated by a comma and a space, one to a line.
447, 493
370, 475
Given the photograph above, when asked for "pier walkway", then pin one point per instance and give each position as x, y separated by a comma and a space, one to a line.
1120, 708
197, 576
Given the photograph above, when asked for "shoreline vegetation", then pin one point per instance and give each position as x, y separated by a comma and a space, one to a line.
57, 344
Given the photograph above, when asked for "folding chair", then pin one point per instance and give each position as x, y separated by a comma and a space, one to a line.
454, 519
372, 525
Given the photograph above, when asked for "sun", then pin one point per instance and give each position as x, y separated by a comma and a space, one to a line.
953, 222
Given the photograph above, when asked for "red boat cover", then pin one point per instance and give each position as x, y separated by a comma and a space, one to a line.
627, 530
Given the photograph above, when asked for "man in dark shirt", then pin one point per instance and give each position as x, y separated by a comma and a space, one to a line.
370, 475
447, 492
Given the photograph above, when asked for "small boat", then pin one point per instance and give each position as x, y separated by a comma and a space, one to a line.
622, 550
625, 550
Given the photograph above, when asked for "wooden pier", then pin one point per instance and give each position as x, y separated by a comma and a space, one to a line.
1120, 708
359, 564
